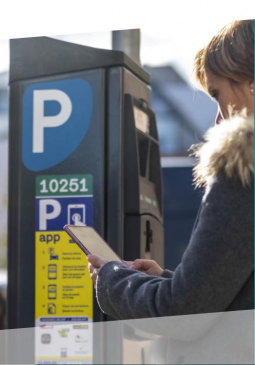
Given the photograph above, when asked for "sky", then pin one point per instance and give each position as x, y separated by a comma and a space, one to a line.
175, 41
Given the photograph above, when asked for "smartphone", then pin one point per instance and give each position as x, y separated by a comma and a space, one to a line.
90, 242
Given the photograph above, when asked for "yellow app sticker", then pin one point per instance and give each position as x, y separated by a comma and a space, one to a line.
63, 284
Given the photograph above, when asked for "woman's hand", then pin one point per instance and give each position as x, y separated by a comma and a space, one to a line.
149, 267
95, 264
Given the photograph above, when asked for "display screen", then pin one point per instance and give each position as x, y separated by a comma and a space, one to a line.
94, 243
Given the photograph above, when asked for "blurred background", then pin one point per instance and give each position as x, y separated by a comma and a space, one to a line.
183, 115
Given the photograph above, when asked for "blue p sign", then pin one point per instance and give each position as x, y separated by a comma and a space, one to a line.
55, 118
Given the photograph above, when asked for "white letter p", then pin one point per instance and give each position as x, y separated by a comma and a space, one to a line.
44, 216
40, 121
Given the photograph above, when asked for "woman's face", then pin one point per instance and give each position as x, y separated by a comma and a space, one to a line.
227, 92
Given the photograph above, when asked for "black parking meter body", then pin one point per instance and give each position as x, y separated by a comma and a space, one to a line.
112, 170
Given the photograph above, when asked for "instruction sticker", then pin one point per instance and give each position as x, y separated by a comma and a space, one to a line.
63, 288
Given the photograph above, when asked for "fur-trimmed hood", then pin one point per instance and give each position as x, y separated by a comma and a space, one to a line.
229, 147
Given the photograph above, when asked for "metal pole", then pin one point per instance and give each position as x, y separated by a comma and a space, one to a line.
128, 41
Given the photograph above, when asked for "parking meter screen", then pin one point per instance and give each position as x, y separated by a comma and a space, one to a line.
92, 242
141, 120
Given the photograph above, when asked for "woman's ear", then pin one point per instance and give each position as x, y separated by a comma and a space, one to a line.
252, 87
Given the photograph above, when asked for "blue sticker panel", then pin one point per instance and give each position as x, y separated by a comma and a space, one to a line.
59, 141
52, 214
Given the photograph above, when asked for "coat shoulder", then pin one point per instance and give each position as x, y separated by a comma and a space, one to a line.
228, 147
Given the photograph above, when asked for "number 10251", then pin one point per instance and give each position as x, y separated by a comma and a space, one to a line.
64, 185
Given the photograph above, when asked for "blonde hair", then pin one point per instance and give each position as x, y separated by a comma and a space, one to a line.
229, 54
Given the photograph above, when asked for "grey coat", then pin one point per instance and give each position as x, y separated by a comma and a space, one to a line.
216, 273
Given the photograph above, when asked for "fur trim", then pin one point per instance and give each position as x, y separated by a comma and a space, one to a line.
229, 147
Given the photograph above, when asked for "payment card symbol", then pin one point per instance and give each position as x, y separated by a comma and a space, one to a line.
63, 353
52, 292
52, 272
80, 339
45, 327
76, 214
63, 332
55, 119
46, 338
51, 308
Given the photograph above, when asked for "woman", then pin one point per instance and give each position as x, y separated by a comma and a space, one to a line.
216, 271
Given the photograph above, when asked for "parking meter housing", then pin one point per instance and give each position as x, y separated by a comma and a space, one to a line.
122, 157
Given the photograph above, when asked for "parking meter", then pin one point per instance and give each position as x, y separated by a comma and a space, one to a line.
83, 149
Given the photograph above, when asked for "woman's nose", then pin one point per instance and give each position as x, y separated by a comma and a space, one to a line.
218, 118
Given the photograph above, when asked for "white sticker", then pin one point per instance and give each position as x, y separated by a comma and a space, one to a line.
141, 120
